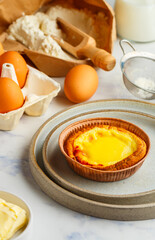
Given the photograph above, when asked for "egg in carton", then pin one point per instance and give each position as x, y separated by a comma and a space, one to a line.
39, 90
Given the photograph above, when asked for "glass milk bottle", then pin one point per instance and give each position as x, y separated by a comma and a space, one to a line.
135, 19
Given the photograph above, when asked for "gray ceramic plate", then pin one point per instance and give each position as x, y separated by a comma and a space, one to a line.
140, 207
139, 184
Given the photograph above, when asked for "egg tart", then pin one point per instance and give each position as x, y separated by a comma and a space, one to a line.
104, 145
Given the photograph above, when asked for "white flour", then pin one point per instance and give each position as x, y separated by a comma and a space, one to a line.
34, 31
146, 84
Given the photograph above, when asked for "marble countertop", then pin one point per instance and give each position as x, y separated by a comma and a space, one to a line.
51, 220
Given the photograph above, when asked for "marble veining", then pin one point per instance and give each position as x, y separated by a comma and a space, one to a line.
82, 236
13, 166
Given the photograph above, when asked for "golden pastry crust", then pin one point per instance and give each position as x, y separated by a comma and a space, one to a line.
77, 154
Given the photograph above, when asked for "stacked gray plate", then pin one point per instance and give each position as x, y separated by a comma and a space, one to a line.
130, 199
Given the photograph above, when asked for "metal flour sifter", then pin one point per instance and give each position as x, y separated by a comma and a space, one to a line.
138, 69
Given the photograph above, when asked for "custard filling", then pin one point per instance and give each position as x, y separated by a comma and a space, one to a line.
102, 146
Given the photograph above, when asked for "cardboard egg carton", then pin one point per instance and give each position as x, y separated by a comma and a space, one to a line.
39, 91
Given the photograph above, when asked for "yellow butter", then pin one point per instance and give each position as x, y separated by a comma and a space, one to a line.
12, 218
105, 146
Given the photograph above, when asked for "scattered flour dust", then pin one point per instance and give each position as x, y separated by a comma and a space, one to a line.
146, 84
34, 31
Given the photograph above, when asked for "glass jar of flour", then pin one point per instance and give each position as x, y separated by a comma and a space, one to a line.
135, 19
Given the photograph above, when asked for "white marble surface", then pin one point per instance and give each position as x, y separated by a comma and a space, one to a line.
51, 220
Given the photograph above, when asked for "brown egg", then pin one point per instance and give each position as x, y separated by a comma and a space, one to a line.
1, 49
11, 96
80, 83
19, 64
